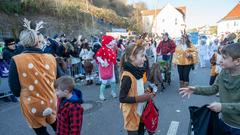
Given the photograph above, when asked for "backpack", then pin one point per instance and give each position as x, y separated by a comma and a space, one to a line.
150, 117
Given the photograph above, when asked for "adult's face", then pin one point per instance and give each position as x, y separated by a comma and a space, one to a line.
165, 37
12, 46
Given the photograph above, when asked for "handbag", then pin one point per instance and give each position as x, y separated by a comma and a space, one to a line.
106, 72
150, 117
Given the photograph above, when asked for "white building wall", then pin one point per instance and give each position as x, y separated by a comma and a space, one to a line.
228, 26
170, 20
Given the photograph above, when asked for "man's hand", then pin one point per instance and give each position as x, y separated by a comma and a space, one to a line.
215, 106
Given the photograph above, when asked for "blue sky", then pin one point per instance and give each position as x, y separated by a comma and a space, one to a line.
199, 12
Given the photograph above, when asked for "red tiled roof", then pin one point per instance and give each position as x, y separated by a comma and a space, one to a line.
157, 11
150, 12
233, 14
182, 10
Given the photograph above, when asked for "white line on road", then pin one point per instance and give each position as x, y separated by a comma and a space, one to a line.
173, 128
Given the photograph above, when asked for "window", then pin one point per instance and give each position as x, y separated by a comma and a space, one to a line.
163, 20
235, 23
175, 21
227, 25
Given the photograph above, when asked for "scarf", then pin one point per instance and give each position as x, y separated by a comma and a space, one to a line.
137, 72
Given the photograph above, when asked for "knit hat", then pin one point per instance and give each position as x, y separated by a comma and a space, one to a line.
9, 41
106, 40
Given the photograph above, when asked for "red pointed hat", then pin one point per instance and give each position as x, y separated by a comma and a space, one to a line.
106, 40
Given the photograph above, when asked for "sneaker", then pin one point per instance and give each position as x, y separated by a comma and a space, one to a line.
81, 75
114, 95
101, 97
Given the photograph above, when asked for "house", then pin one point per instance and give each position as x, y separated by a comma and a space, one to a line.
208, 30
231, 22
168, 19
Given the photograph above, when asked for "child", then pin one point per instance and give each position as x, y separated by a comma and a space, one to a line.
132, 96
70, 111
155, 76
228, 86
87, 56
215, 65
106, 59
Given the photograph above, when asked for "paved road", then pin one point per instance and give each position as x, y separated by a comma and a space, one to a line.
105, 117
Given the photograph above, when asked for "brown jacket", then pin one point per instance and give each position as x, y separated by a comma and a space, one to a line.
179, 57
37, 73
130, 115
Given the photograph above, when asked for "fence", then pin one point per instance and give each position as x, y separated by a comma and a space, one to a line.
4, 88
74, 69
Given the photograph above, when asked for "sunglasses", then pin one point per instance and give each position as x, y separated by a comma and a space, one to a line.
12, 43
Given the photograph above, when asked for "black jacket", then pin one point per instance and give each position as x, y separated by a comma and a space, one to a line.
205, 121
9, 53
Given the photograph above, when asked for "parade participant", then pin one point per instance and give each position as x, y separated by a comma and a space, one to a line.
166, 48
87, 56
70, 111
212, 48
32, 74
132, 95
106, 59
203, 54
185, 57
228, 86
215, 65
155, 76
153, 47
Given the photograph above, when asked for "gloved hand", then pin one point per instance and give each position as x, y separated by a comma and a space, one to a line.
106, 63
100, 60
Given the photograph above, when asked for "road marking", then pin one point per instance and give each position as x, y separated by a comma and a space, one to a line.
173, 128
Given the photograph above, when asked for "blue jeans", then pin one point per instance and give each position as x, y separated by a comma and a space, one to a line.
229, 130
166, 57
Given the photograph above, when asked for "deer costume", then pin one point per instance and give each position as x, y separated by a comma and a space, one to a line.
36, 73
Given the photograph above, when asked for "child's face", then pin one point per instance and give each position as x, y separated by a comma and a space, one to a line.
139, 59
228, 62
62, 93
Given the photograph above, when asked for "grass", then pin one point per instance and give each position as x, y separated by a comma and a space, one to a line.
74, 9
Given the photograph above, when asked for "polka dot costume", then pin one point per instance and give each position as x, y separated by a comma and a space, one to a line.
37, 73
